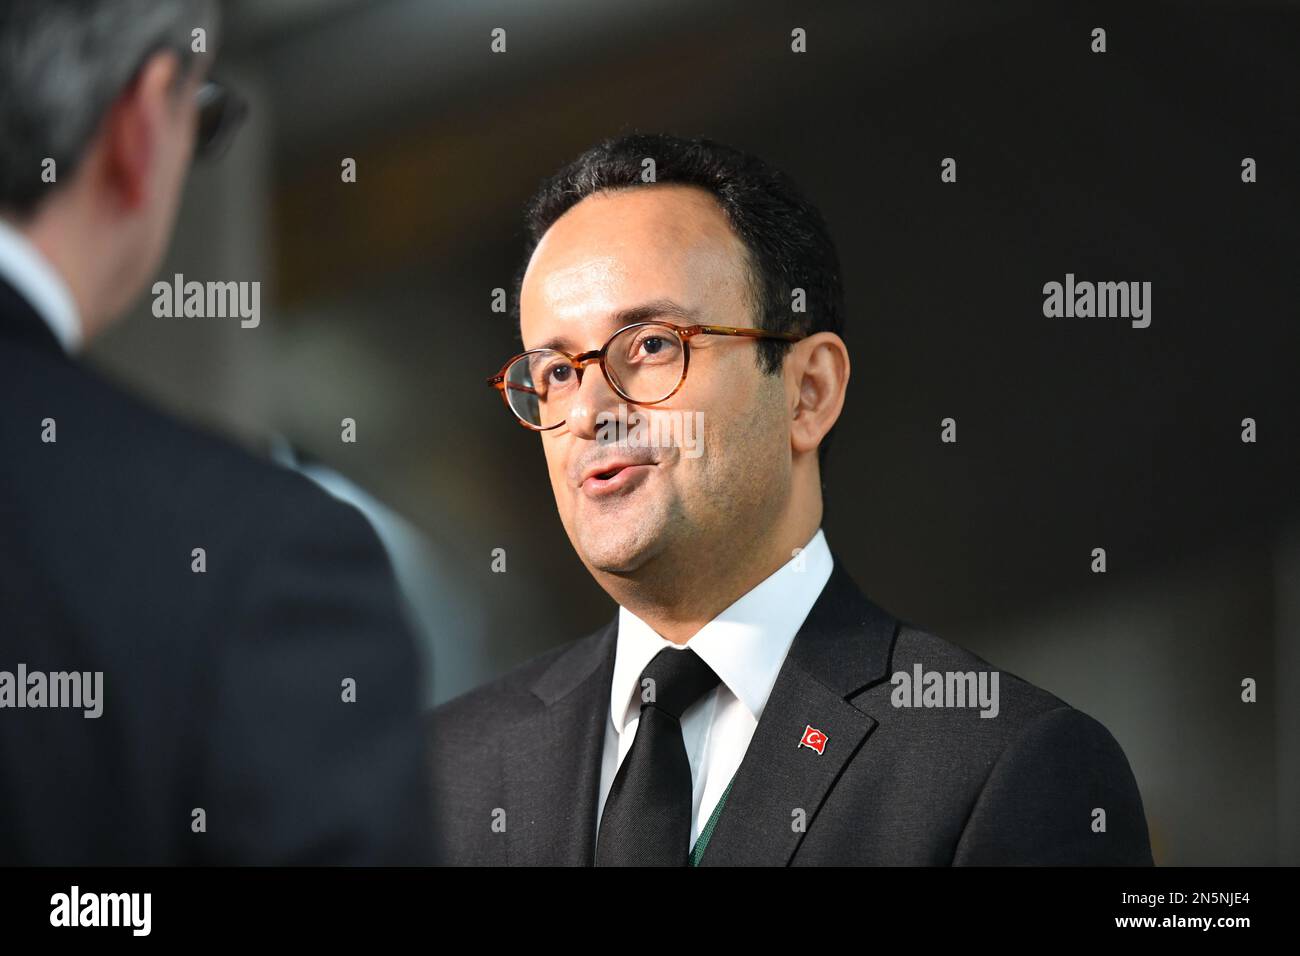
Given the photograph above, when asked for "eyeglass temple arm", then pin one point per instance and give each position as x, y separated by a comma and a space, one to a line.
734, 330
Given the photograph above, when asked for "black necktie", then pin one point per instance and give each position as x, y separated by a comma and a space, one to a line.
647, 815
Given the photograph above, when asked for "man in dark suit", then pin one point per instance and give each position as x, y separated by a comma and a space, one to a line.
748, 705
202, 657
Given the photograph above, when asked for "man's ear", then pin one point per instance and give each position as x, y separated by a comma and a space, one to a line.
135, 126
817, 377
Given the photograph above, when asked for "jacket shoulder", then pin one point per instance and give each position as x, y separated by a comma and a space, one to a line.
945, 707
1019, 699
115, 454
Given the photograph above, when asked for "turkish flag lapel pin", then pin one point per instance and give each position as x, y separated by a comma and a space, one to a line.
813, 739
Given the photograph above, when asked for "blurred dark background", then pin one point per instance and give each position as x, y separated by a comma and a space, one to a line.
1072, 433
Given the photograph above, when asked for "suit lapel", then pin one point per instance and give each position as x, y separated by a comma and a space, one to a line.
553, 761
842, 648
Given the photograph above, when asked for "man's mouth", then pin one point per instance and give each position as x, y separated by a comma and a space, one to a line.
615, 477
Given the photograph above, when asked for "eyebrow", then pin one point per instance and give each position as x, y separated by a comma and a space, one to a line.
656, 309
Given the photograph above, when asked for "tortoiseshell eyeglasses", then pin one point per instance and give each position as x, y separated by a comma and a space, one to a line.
645, 363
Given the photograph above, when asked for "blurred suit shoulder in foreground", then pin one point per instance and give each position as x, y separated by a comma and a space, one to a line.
894, 785
222, 690
220, 611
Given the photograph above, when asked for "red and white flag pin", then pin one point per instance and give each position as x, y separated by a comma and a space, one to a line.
813, 739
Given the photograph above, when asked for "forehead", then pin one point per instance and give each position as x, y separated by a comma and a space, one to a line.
615, 251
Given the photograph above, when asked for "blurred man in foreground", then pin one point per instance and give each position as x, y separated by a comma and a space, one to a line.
201, 656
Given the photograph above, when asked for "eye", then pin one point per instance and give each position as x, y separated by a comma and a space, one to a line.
655, 346
548, 372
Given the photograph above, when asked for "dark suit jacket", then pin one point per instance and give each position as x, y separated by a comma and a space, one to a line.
222, 690
893, 785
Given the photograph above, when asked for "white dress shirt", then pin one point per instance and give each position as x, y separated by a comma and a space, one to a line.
745, 645
32, 276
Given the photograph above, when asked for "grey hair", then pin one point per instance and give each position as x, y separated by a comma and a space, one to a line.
62, 64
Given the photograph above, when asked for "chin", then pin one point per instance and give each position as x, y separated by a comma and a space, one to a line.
611, 562
621, 552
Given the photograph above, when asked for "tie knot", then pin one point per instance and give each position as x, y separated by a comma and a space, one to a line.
678, 678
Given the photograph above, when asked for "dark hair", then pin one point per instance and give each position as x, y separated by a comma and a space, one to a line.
786, 240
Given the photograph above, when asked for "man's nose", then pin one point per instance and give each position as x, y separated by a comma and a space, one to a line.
593, 405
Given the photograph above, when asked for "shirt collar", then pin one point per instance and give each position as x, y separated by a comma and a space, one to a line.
32, 276
745, 644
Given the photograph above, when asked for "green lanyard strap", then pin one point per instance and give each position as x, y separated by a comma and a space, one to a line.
697, 851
